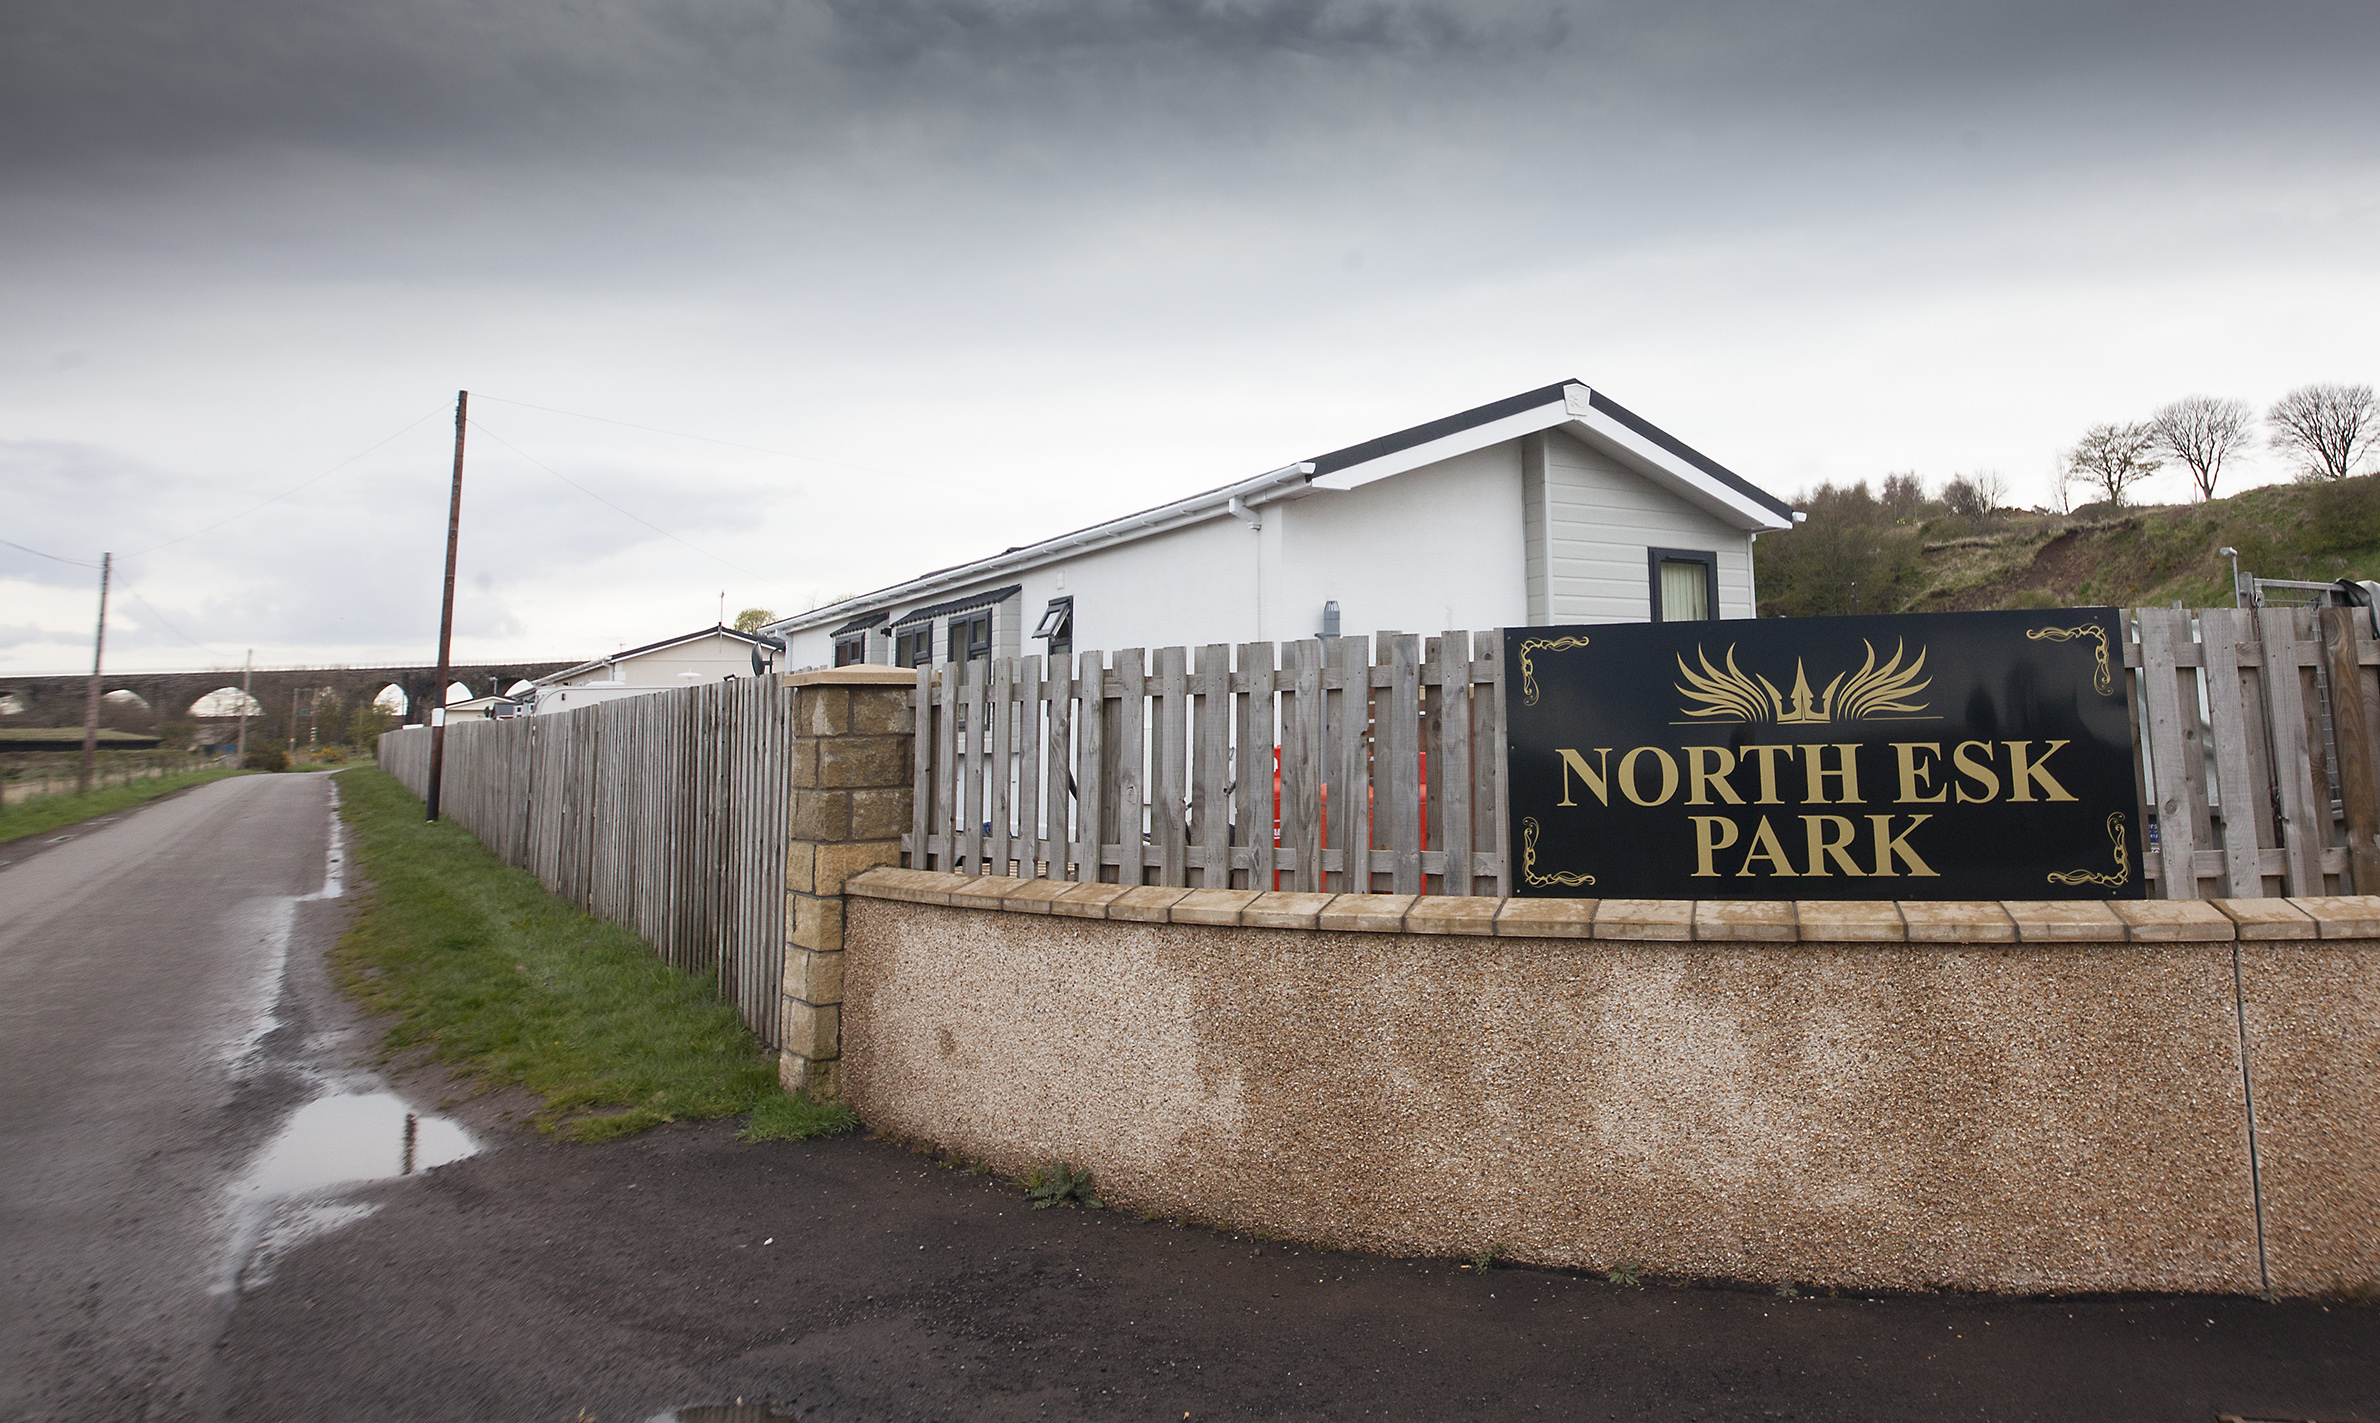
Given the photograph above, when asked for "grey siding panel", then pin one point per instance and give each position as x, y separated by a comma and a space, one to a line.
1533, 533
1600, 518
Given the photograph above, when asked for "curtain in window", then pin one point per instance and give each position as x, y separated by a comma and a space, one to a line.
1685, 592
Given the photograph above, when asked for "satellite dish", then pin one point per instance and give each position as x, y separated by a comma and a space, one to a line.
760, 664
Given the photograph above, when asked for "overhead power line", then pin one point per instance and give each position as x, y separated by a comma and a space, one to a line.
295, 488
54, 558
151, 608
482, 427
734, 444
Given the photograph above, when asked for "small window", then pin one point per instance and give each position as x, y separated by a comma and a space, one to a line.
913, 646
1057, 624
1685, 585
971, 637
852, 650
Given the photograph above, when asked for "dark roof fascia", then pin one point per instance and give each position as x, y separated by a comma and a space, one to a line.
959, 605
1439, 429
860, 623
1596, 399
679, 640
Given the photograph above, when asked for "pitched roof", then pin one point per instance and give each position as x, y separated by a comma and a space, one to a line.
752, 639
1588, 413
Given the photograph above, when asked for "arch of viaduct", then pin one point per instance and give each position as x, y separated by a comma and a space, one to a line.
58, 701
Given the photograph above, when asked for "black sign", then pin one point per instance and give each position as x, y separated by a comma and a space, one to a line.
1928, 756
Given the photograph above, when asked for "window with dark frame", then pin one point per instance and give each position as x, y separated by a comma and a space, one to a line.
913, 646
851, 651
1057, 625
1685, 584
971, 637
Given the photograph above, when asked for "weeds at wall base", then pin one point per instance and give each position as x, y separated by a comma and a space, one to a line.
797, 1117
1059, 1184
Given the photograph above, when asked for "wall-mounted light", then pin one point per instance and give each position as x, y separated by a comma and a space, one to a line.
1330, 618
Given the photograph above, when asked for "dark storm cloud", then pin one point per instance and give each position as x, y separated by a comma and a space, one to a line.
82, 83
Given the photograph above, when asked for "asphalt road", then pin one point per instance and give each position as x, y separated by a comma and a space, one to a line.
845, 1279
140, 967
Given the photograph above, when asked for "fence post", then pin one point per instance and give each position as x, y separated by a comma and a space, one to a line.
2353, 726
850, 794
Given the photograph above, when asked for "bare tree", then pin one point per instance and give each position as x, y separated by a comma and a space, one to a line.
2202, 432
1903, 499
2326, 428
2113, 458
1975, 496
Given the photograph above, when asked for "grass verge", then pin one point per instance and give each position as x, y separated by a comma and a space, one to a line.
493, 976
56, 812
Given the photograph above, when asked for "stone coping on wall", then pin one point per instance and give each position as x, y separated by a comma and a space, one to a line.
1829, 921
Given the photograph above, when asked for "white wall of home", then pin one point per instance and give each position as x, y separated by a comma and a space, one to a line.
709, 658
562, 698
1591, 521
1533, 530
1191, 586
1434, 548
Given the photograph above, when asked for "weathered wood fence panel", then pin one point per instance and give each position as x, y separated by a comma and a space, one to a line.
1312, 765
664, 814
2242, 720
1215, 766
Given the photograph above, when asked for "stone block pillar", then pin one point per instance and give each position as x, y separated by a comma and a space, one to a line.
850, 793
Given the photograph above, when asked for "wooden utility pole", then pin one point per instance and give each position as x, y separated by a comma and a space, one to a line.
239, 753
446, 613
91, 704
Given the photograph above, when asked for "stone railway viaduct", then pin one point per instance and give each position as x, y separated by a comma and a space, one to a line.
58, 701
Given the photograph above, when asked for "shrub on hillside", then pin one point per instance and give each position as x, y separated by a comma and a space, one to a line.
2344, 514
1857, 551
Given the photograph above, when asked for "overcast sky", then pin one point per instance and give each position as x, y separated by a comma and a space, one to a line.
933, 277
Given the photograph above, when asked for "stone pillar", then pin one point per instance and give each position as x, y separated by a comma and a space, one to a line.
850, 793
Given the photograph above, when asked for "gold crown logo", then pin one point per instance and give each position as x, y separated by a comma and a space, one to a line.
1872, 693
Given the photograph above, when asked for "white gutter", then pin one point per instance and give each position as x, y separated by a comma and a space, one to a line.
1237, 500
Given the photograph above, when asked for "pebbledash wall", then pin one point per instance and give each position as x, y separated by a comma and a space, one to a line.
2023, 1097
2029, 1097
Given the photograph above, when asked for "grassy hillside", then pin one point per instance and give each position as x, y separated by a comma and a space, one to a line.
1912, 556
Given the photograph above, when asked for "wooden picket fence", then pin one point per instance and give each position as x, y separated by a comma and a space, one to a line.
1219, 767
665, 814
1309, 766
1336, 765
2259, 761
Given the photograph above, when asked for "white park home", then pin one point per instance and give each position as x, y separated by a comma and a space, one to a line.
1553, 506
712, 654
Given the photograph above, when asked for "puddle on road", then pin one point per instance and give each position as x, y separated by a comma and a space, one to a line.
736, 1412
352, 1137
342, 1140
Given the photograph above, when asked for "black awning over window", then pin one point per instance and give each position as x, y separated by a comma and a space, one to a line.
861, 623
960, 605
